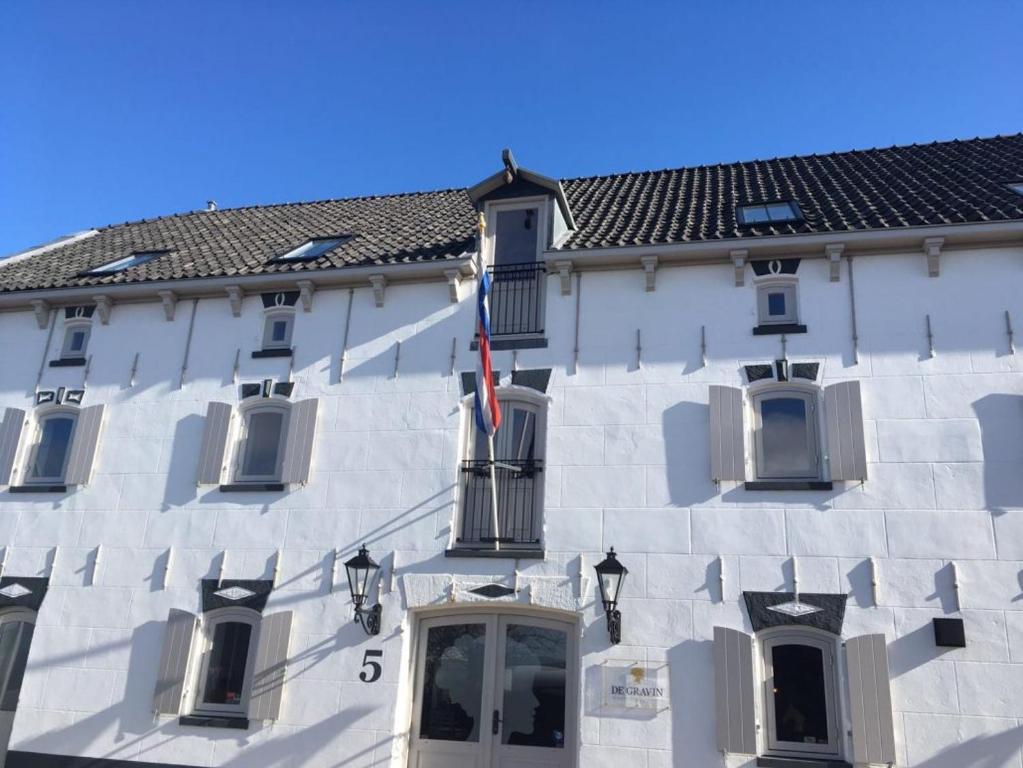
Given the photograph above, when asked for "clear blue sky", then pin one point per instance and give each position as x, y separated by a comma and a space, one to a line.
117, 110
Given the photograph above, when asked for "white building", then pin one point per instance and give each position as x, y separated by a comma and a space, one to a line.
786, 392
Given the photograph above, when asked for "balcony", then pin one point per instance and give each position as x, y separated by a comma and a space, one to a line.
518, 506
517, 297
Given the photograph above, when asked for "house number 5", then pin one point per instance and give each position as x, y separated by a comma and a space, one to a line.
372, 674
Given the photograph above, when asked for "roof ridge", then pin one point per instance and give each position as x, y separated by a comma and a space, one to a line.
781, 158
293, 203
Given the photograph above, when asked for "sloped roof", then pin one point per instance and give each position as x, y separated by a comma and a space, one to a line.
932, 184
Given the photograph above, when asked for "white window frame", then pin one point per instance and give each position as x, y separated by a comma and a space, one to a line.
38, 422
759, 392
210, 621
828, 644
540, 204
23, 615
539, 404
245, 412
278, 314
72, 327
789, 285
125, 262
298, 253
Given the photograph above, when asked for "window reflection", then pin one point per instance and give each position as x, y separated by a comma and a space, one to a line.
800, 701
785, 449
51, 453
453, 682
534, 687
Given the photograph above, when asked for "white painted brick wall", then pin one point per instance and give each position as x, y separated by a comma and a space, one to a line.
627, 465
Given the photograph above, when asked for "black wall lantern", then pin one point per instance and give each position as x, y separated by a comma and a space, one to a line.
360, 574
610, 577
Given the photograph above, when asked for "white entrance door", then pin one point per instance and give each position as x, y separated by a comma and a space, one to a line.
494, 691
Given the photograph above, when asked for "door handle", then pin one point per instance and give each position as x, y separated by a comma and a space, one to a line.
495, 723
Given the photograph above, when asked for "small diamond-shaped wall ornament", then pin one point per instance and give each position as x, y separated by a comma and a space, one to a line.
794, 608
492, 591
15, 590
234, 593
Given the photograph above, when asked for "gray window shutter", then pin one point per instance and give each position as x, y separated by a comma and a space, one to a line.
727, 451
214, 443
10, 436
871, 700
271, 658
847, 453
298, 449
173, 670
83, 445
733, 678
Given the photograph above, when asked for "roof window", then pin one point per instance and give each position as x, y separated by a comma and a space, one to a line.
763, 213
313, 249
119, 265
1017, 187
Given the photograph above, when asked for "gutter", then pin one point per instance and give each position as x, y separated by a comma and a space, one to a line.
215, 287
862, 242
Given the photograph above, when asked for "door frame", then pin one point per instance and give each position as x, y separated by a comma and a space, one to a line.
828, 644
486, 613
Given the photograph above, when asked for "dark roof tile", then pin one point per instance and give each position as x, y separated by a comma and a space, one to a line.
931, 184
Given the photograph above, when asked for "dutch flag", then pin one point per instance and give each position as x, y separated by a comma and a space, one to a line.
488, 411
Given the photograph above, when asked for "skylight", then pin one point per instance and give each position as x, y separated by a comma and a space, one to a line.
1017, 187
760, 213
313, 249
140, 257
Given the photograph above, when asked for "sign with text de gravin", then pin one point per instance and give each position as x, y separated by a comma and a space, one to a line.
636, 686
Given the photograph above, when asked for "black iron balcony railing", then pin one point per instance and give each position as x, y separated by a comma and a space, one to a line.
518, 508
517, 299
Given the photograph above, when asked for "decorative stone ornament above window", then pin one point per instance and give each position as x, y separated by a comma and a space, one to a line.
60, 395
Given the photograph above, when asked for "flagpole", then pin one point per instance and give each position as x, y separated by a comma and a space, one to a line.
493, 492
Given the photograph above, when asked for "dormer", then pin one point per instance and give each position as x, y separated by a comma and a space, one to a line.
526, 213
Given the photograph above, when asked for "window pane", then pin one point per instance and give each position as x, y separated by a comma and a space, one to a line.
51, 454
280, 330
225, 675
453, 682
10, 695
534, 687
780, 212
262, 444
77, 341
515, 440
784, 438
800, 702
752, 214
776, 304
515, 236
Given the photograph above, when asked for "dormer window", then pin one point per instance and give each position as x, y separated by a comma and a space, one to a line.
134, 260
516, 236
313, 249
768, 213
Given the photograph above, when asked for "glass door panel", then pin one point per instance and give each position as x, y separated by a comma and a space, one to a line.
535, 661
453, 679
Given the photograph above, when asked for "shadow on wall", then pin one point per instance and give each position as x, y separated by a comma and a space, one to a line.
131, 718
1001, 434
995, 750
184, 462
688, 460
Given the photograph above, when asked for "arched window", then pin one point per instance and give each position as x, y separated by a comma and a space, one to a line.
800, 699
48, 458
228, 656
519, 451
260, 451
76, 339
785, 433
277, 328
16, 628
